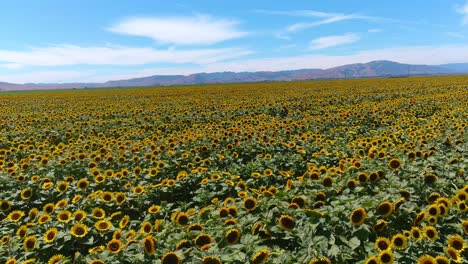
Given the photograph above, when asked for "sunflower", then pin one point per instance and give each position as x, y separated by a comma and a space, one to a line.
430, 233
170, 258
399, 241
195, 227
149, 245
184, 243
96, 261
29, 243
430, 178
107, 197
442, 260
114, 246
11, 261
321, 260
230, 222
22, 231
223, 212
61, 204
394, 163
182, 219
352, 183
462, 207
202, 240
146, 227
287, 223
433, 210
385, 209
419, 218
5, 206
426, 259
362, 177
299, 200
382, 243
29, 261
154, 209
103, 225
386, 257
26, 194
50, 235
48, 208
250, 204
124, 221
358, 216
464, 226
232, 236
138, 189
98, 213
62, 186
327, 181
211, 260
416, 233
56, 259
261, 256
64, 216
43, 219
82, 184
79, 230
15, 216
453, 254
457, 242
79, 215
372, 260
47, 185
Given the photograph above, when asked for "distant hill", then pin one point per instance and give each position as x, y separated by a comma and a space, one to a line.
380, 68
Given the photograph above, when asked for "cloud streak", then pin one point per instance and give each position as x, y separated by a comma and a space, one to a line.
197, 30
61, 55
332, 41
464, 11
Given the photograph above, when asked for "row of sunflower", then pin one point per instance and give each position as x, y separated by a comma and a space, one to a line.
355, 171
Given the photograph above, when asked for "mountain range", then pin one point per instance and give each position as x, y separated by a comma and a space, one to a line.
380, 68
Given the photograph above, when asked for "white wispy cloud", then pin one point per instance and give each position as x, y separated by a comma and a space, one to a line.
464, 11
374, 30
60, 55
333, 19
200, 30
303, 13
331, 41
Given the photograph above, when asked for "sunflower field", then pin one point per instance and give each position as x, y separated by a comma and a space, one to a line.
344, 171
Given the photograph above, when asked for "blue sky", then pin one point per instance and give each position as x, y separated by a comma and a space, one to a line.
94, 41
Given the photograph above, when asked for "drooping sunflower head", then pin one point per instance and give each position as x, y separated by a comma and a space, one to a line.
358, 216
182, 219
321, 260
232, 236
261, 256
211, 260
385, 209
202, 240
287, 223
170, 258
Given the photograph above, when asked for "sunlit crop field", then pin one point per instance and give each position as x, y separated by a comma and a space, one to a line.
351, 171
